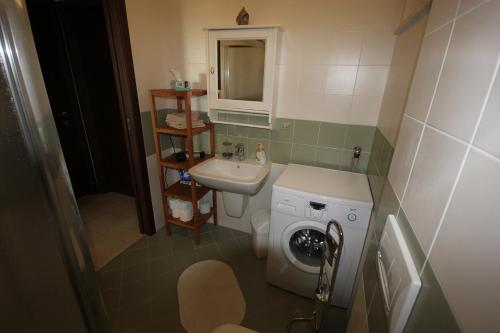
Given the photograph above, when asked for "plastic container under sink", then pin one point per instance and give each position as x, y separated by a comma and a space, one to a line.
260, 232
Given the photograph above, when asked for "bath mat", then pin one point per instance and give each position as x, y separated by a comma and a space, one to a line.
209, 296
230, 328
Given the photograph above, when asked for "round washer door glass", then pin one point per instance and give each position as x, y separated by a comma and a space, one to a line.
306, 245
301, 243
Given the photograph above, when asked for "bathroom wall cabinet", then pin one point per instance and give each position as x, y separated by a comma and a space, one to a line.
193, 192
242, 68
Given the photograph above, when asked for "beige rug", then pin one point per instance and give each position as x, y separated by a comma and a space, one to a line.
209, 296
230, 328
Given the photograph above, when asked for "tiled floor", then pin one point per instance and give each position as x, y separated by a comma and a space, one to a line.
110, 225
140, 286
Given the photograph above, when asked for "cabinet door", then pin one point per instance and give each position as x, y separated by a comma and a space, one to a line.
241, 73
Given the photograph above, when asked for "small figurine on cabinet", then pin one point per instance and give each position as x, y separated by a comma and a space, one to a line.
243, 17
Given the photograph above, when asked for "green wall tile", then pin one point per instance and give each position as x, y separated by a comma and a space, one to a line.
220, 129
252, 147
332, 135
388, 204
328, 157
370, 276
219, 147
258, 120
362, 164
283, 129
303, 154
431, 312
259, 133
414, 247
234, 130
315, 143
376, 317
236, 140
385, 159
204, 142
280, 152
305, 132
238, 118
358, 135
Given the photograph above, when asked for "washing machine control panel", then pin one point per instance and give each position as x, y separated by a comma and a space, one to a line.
316, 210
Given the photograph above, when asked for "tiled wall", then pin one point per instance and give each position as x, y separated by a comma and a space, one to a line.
446, 172
333, 62
444, 180
321, 144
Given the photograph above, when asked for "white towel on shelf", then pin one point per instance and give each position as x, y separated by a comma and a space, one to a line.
182, 124
178, 120
182, 116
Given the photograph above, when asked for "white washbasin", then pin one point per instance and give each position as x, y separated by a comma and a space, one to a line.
245, 177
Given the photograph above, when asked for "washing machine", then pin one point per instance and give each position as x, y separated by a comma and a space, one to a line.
304, 200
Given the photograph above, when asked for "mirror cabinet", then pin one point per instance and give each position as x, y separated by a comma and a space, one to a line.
241, 81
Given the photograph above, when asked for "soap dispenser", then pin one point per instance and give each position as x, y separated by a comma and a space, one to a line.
260, 155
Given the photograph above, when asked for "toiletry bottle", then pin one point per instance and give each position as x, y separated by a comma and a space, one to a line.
260, 155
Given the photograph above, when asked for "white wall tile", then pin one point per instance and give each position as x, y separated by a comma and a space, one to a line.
288, 79
427, 71
169, 34
467, 71
337, 108
197, 74
341, 80
346, 48
442, 11
313, 78
311, 106
434, 172
466, 5
287, 105
315, 49
488, 134
364, 110
465, 254
404, 153
377, 49
194, 50
371, 80
290, 52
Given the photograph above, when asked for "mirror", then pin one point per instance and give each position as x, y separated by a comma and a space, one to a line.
240, 66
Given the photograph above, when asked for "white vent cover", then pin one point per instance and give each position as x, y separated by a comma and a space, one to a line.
398, 277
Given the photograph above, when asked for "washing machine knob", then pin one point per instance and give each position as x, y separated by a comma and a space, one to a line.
352, 217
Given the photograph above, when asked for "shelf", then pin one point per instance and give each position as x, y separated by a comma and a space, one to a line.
177, 190
181, 132
170, 162
171, 93
190, 224
183, 191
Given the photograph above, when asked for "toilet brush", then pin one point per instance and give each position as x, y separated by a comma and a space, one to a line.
331, 252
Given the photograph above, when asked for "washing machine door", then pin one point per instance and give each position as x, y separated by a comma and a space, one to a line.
302, 243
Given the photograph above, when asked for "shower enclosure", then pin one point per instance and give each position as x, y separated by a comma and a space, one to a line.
47, 280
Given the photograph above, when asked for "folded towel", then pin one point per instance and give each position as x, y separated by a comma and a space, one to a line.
182, 124
179, 116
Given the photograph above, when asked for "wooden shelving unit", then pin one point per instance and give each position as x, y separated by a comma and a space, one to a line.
192, 192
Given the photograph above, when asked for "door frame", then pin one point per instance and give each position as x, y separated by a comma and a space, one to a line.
115, 15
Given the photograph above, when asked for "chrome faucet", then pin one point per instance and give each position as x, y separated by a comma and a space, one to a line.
240, 151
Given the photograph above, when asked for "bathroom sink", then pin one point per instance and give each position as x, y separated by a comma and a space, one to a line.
242, 177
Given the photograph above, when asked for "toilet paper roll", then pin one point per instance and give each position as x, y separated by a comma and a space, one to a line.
204, 207
186, 215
